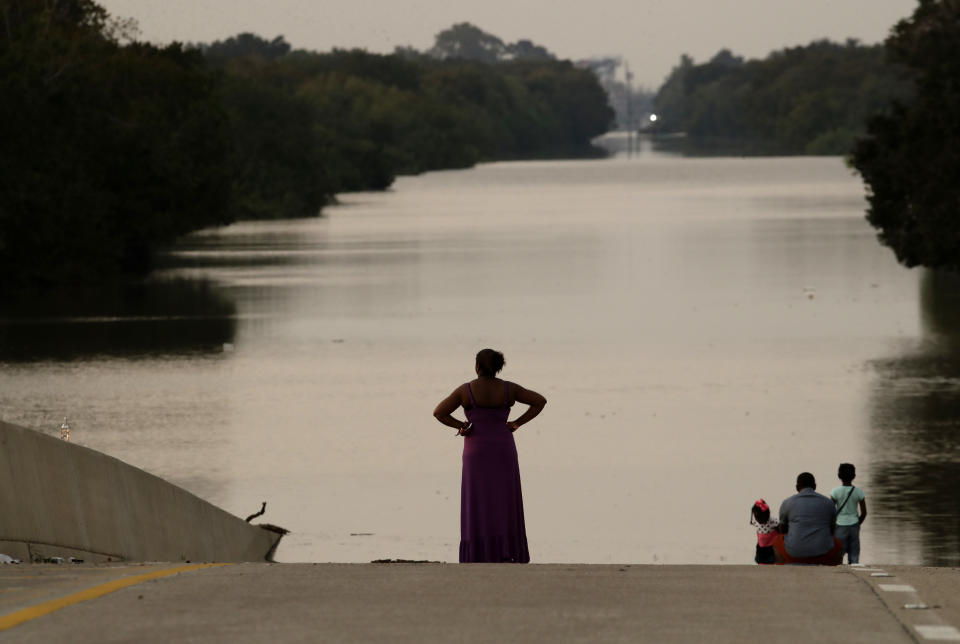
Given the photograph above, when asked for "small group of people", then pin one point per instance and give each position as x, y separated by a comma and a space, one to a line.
812, 528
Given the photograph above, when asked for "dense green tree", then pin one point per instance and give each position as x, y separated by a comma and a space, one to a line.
909, 159
813, 99
355, 122
393, 71
248, 44
570, 101
107, 152
277, 163
466, 41
111, 150
527, 50
377, 116
672, 102
630, 104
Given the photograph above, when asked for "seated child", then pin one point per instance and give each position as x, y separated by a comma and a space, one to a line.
766, 531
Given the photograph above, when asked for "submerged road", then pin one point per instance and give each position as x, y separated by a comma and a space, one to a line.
476, 603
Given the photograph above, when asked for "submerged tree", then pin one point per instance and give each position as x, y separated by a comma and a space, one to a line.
910, 160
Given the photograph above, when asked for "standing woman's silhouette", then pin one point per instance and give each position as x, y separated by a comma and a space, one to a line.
491, 503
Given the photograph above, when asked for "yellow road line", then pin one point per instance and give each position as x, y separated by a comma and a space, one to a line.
33, 612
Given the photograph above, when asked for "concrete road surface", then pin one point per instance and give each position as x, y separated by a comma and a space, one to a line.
476, 603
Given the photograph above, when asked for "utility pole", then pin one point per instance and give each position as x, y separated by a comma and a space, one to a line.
630, 124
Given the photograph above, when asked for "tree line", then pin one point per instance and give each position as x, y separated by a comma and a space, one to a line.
812, 99
909, 157
111, 149
892, 109
352, 120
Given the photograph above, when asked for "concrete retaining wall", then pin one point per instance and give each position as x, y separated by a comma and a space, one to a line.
62, 499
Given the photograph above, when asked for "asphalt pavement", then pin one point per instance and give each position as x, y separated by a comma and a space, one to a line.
426, 602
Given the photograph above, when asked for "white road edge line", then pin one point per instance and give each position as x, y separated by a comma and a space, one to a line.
943, 633
897, 588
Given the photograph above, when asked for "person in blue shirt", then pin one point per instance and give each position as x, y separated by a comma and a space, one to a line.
847, 498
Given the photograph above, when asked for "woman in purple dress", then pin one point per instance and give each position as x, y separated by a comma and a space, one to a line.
491, 503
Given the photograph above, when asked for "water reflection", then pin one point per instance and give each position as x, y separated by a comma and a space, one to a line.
704, 316
134, 366
915, 414
147, 318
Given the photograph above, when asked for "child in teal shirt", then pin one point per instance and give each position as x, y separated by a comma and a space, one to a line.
847, 498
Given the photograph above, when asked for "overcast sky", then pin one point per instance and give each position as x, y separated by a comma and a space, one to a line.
649, 34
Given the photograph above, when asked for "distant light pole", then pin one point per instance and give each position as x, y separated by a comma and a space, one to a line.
630, 128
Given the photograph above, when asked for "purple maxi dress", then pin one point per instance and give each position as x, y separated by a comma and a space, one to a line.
491, 504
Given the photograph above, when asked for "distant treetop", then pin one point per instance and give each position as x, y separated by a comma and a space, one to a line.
247, 44
468, 42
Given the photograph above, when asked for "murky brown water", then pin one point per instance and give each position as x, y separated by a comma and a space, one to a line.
703, 328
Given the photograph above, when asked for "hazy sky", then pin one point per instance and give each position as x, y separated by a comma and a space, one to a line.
650, 34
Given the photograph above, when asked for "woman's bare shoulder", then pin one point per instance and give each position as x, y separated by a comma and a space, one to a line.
528, 396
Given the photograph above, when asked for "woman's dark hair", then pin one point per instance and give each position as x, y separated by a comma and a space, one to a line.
761, 515
489, 362
846, 472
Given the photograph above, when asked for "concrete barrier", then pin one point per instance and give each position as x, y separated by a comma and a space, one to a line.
61, 499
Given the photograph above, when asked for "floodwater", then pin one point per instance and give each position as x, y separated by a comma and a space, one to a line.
704, 329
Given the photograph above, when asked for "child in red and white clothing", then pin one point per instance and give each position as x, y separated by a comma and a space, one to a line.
766, 531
